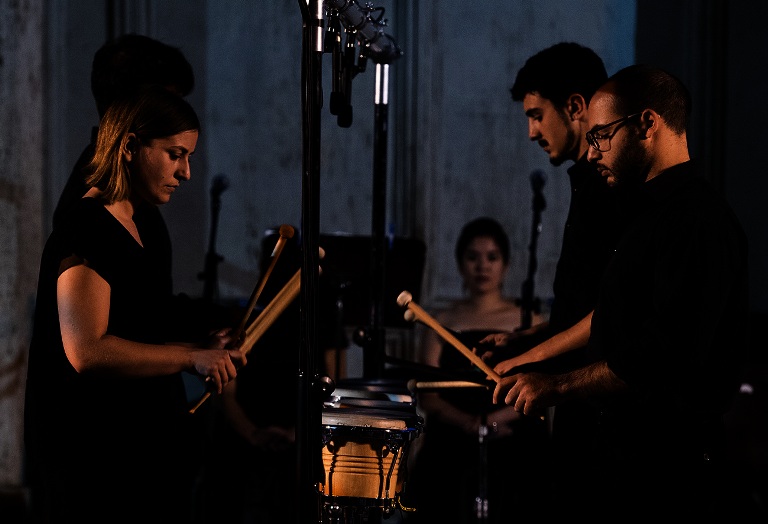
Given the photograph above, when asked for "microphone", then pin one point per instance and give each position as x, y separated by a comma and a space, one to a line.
538, 178
219, 185
333, 45
348, 72
378, 45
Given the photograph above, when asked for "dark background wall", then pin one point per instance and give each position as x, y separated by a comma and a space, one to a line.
719, 49
457, 143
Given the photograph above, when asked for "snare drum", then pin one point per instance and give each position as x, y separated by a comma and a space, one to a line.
363, 452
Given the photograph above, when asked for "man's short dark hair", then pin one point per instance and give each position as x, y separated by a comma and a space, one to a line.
130, 61
642, 86
557, 72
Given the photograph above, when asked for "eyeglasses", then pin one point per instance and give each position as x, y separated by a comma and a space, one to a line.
602, 143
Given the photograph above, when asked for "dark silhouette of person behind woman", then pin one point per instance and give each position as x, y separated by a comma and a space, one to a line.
119, 68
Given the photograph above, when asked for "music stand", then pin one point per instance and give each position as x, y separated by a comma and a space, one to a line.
346, 268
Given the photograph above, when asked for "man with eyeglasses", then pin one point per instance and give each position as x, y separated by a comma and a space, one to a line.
555, 87
668, 335
599, 138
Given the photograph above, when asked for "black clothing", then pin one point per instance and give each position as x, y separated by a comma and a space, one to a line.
75, 187
597, 215
589, 240
100, 445
193, 318
242, 482
671, 322
452, 468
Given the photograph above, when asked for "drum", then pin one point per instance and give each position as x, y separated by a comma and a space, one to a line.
363, 454
386, 394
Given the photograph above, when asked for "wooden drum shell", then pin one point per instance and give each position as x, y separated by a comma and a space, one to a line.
363, 452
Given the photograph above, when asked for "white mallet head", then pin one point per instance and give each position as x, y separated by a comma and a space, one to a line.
404, 298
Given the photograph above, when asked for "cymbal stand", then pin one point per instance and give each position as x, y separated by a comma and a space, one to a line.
481, 500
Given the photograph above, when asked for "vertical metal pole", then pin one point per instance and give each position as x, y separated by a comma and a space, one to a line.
373, 359
481, 500
309, 415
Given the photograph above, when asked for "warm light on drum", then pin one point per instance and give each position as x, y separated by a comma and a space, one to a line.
363, 451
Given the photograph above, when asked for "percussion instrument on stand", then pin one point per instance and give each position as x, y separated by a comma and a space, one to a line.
372, 43
368, 427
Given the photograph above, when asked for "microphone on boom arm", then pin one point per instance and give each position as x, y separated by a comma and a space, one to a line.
374, 44
379, 46
333, 46
343, 69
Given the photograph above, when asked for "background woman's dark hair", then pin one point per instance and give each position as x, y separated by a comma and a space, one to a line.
482, 227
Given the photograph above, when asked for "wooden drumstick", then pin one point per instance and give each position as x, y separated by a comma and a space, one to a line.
274, 309
270, 313
267, 317
415, 312
286, 232
413, 384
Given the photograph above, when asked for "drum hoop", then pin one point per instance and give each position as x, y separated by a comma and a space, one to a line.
371, 418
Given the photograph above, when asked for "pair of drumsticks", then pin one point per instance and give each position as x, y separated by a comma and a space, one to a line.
290, 291
415, 312
254, 331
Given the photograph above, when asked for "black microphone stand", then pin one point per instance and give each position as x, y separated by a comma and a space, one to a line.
312, 390
527, 301
382, 49
373, 356
481, 500
210, 273
309, 408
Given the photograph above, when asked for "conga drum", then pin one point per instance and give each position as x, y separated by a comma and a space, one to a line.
365, 444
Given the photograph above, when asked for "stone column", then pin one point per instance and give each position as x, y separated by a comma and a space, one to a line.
22, 148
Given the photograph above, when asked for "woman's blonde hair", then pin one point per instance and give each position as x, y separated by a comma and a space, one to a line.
152, 112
